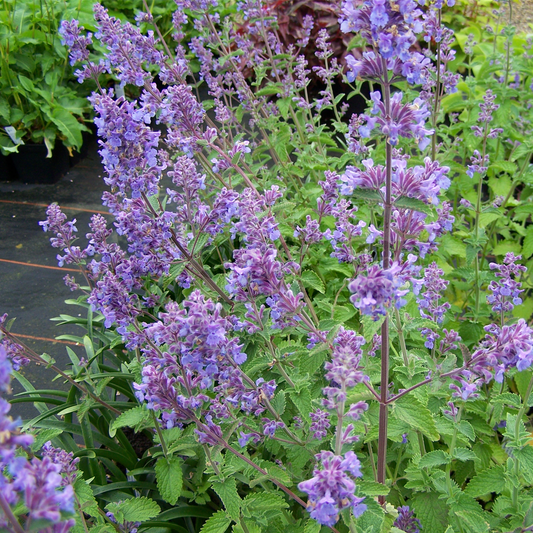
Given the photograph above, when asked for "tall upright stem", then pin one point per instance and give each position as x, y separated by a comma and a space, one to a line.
383, 407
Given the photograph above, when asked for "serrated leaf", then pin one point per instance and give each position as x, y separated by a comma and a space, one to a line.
367, 194
412, 203
227, 492
371, 488
474, 523
85, 496
431, 511
525, 459
490, 480
372, 519
312, 526
506, 166
371, 326
467, 430
527, 246
302, 401
130, 418
411, 411
505, 247
135, 510
311, 279
434, 458
169, 478
259, 502
464, 454
216, 523
278, 402
508, 398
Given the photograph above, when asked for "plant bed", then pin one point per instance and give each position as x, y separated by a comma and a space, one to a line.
321, 323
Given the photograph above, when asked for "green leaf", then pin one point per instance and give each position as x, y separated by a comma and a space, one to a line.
508, 398
259, 502
467, 430
135, 509
525, 459
130, 418
474, 523
412, 203
490, 480
26, 83
434, 458
371, 488
311, 279
367, 194
506, 166
419, 417
464, 454
278, 403
371, 520
312, 526
85, 496
169, 478
371, 326
271, 88
227, 492
68, 126
453, 246
217, 523
431, 511
505, 247
527, 247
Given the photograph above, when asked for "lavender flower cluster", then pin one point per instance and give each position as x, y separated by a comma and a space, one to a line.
43, 486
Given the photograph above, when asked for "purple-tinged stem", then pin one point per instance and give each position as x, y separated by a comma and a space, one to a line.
8, 513
383, 407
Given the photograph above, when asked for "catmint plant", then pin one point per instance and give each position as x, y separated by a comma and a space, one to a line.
277, 281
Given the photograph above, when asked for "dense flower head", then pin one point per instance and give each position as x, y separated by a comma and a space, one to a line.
404, 120
128, 146
510, 346
127, 48
38, 484
379, 290
343, 369
332, 488
197, 339
64, 459
428, 302
320, 423
406, 520
420, 182
506, 291
70, 33
390, 26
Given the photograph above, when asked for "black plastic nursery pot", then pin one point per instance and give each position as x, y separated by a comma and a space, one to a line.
33, 166
7, 169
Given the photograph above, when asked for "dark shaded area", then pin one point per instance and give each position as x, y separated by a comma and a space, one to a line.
32, 294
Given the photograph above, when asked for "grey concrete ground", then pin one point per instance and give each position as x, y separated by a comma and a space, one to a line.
31, 285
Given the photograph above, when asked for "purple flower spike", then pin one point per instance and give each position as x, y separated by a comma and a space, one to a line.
506, 291
406, 520
332, 488
380, 290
